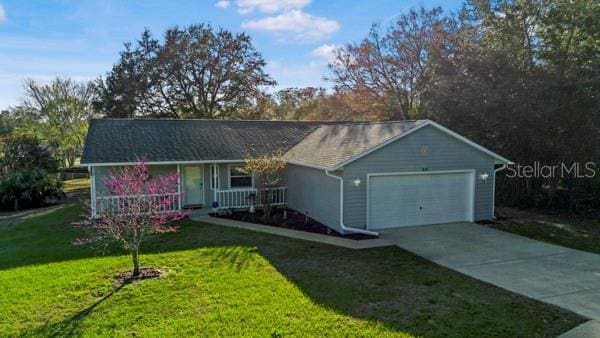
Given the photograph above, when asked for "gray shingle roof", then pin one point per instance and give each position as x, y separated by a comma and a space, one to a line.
126, 140
330, 145
313, 143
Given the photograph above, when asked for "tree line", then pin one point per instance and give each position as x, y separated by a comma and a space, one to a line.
520, 77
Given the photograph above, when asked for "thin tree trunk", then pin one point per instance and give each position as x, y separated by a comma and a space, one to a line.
71, 159
136, 263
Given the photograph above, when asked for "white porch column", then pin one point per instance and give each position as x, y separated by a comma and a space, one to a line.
93, 190
215, 166
179, 187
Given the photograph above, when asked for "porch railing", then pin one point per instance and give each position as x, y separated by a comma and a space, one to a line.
240, 198
161, 203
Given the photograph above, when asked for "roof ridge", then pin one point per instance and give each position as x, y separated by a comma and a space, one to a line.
382, 122
212, 120
323, 122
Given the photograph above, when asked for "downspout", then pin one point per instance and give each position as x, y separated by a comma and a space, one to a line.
502, 167
345, 228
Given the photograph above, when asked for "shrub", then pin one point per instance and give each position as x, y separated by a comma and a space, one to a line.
266, 170
26, 154
28, 189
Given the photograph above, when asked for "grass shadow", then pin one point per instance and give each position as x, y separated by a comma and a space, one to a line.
70, 326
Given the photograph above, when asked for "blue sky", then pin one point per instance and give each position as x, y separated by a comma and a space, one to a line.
81, 39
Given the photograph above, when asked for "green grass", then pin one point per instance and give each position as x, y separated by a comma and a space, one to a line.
224, 282
577, 236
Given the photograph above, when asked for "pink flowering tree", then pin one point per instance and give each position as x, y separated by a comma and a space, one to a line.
146, 206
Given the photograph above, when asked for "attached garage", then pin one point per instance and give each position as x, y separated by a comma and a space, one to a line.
393, 174
411, 199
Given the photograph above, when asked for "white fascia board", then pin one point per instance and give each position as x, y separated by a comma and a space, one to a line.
107, 164
308, 165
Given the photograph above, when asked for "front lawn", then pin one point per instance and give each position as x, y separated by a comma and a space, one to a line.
223, 281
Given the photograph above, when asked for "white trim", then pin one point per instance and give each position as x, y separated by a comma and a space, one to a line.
106, 164
229, 179
238, 198
93, 191
426, 123
502, 167
307, 165
368, 197
421, 172
211, 169
179, 202
472, 183
342, 225
203, 189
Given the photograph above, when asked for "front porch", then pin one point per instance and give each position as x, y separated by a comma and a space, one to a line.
202, 186
223, 199
244, 198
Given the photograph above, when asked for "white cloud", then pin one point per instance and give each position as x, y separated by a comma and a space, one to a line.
222, 4
302, 26
326, 52
270, 6
2, 14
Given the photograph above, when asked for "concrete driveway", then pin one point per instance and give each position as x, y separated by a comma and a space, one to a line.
550, 273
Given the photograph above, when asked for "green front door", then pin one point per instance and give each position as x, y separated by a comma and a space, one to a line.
193, 185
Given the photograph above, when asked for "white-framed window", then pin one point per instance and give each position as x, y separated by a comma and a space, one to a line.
214, 177
239, 177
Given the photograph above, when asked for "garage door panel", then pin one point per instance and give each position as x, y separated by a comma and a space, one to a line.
417, 199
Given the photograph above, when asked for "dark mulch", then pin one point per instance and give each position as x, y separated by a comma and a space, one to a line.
486, 222
125, 277
294, 220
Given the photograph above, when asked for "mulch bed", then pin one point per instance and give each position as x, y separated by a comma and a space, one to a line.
487, 222
294, 220
124, 277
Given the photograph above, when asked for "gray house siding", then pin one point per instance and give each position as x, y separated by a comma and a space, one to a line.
443, 152
101, 173
311, 191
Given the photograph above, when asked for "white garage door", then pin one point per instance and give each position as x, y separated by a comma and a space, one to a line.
418, 199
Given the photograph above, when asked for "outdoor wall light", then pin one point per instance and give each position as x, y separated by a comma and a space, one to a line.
484, 177
356, 183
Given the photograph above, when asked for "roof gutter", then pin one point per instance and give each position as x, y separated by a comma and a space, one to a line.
502, 167
345, 228
107, 164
